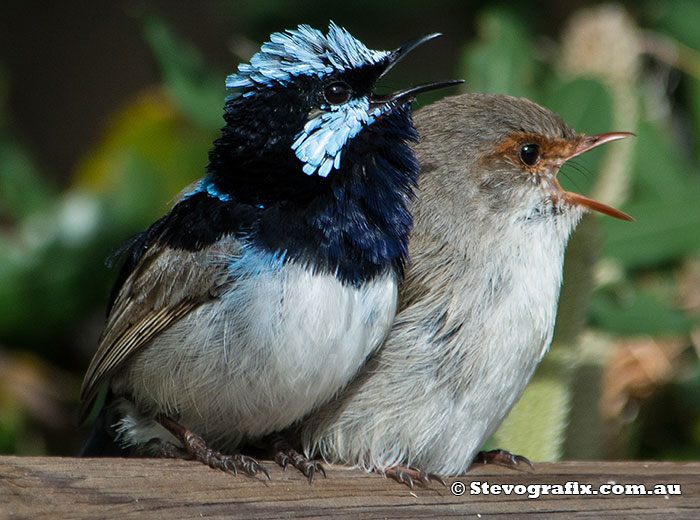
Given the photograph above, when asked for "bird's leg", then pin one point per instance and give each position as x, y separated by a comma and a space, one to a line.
196, 448
284, 454
409, 476
168, 450
502, 458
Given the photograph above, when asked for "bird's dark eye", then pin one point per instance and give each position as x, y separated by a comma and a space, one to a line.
337, 92
530, 154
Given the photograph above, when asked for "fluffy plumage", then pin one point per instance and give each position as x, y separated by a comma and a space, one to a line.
303, 52
264, 289
478, 305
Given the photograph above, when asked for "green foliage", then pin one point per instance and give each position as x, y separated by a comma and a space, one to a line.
22, 190
500, 61
663, 192
620, 277
196, 90
631, 311
665, 204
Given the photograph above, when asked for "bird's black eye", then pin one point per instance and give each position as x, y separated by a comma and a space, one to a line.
337, 92
530, 154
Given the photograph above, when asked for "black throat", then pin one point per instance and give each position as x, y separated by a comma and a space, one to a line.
355, 223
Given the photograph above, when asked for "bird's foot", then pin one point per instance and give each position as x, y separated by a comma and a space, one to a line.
196, 448
409, 476
503, 458
284, 455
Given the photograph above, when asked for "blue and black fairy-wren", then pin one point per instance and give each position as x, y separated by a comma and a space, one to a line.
265, 288
478, 304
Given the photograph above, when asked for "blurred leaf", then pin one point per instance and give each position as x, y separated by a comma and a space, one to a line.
658, 169
54, 281
198, 93
586, 106
678, 21
665, 230
22, 190
693, 86
501, 61
631, 311
12, 427
665, 205
13, 304
689, 390
679, 18
149, 155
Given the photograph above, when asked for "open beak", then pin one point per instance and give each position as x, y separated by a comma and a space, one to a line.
397, 55
409, 93
585, 144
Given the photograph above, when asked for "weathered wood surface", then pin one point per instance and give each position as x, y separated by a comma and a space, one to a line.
69, 488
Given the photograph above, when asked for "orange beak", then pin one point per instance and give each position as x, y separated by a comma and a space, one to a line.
585, 144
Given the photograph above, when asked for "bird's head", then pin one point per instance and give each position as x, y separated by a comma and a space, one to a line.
511, 150
303, 97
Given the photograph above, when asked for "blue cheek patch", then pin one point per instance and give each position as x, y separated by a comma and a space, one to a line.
320, 143
308, 52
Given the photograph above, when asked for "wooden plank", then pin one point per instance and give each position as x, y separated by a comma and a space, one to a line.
70, 488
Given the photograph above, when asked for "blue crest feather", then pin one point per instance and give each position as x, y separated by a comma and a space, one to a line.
304, 51
307, 52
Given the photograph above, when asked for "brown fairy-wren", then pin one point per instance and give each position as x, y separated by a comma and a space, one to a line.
478, 305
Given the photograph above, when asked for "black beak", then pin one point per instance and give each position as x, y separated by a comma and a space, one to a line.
396, 55
409, 93
412, 92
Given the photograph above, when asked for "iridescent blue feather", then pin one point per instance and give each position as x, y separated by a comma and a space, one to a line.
304, 51
308, 52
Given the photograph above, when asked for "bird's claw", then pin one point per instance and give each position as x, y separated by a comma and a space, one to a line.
282, 459
285, 455
410, 476
233, 463
403, 478
310, 467
503, 458
196, 448
437, 478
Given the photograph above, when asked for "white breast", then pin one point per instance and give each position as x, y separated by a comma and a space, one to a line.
269, 350
457, 358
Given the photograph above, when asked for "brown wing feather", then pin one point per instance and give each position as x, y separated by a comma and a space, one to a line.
165, 286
